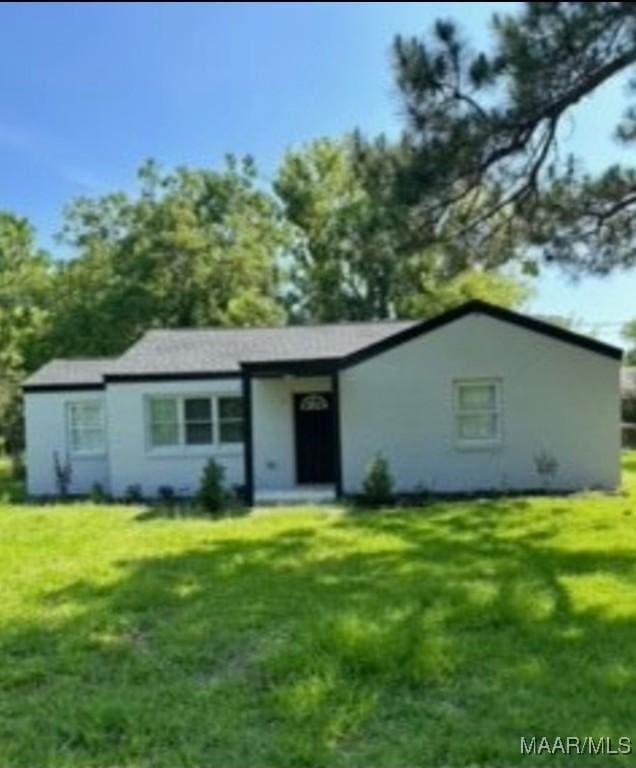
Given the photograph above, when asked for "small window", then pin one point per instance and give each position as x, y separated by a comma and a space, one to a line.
198, 420
478, 412
86, 427
231, 419
164, 421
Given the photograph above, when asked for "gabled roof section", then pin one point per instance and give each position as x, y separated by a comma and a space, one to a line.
220, 352
70, 374
310, 349
490, 310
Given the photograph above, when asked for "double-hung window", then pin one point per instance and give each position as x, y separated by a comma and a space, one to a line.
86, 427
478, 412
197, 419
230, 419
164, 421
183, 421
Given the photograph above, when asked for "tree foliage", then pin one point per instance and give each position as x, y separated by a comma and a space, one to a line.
25, 276
356, 253
629, 334
193, 248
483, 132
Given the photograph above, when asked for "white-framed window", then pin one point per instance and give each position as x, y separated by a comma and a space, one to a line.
86, 427
197, 420
477, 404
163, 421
188, 421
230, 411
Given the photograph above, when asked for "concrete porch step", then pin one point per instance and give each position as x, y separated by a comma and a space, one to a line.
302, 494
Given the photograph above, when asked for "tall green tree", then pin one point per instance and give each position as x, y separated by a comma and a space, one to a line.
357, 254
25, 282
629, 334
484, 128
192, 248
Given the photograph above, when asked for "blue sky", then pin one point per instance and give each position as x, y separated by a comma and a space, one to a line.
87, 91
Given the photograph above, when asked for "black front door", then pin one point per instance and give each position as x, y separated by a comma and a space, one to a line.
313, 416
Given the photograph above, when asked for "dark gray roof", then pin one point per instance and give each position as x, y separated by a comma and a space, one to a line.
628, 381
82, 372
223, 350
215, 350
198, 353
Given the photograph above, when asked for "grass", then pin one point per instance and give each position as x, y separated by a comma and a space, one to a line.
424, 637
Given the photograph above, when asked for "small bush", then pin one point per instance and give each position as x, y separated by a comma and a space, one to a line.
133, 494
166, 494
546, 466
212, 495
18, 467
98, 495
377, 487
63, 471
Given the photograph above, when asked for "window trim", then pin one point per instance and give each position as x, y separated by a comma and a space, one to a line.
79, 453
478, 443
181, 448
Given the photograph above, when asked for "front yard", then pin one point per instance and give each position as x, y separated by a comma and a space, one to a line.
434, 636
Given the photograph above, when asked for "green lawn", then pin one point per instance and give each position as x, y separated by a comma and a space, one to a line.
433, 636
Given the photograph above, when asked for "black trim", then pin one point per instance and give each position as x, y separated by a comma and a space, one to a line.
129, 378
248, 451
498, 313
335, 391
33, 389
319, 366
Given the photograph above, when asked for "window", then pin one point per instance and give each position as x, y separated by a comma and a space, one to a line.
86, 429
164, 421
192, 421
198, 420
231, 419
478, 412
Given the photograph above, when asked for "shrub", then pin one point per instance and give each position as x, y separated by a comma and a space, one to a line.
377, 486
212, 495
18, 467
546, 466
166, 494
98, 495
63, 471
133, 494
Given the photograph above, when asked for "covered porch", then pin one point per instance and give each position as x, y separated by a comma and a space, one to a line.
292, 447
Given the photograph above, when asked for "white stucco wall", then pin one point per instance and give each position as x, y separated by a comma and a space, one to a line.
46, 432
133, 462
273, 433
556, 398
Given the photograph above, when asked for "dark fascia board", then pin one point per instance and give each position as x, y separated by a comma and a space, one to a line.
490, 310
319, 366
133, 378
34, 389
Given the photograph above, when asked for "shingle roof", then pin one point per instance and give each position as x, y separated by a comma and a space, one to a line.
223, 350
628, 381
198, 353
214, 350
78, 373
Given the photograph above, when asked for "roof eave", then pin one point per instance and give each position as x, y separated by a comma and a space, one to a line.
317, 366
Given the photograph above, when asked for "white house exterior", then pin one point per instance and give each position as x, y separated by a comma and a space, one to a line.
477, 399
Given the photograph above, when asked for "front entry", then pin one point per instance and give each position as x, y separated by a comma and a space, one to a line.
314, 424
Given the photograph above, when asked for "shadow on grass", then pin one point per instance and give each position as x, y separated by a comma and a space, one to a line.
186, 511
386, 639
